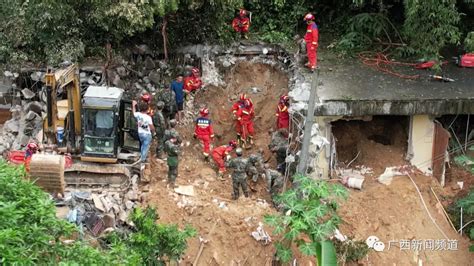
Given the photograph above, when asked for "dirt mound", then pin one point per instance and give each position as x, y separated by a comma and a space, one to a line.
395, 213
230, 242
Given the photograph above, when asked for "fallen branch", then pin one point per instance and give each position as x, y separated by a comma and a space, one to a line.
203, 242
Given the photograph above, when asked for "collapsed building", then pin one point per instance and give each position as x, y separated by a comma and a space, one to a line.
354, 103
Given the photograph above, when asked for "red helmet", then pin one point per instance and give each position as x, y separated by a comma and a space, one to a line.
146, 97
32, 146
233, 143
243, 96
195, 70
308, 16
284, 98
204, 111
242, 12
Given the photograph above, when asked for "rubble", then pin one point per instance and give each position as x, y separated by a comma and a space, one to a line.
261, 235
185, 190
390, 172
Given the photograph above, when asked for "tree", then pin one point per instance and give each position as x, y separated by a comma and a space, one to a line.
310, 218
430, 25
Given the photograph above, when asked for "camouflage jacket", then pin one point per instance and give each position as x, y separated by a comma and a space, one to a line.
255, 160
239, 164
172, 149
167, 96
171, 133
274, 177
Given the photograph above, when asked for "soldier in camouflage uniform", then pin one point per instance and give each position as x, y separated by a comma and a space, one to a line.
171, 132
279, 145
255, 165
275, 181
172, 150
160, 127
239, 176
167, 96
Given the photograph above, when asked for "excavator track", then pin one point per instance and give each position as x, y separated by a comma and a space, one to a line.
48, 171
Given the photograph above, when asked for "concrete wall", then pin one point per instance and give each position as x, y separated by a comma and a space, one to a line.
420, 142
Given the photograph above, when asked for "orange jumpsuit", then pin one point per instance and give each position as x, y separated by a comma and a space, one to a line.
204, 132
219, 154
311, 38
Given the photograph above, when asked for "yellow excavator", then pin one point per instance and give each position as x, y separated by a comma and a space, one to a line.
89, 137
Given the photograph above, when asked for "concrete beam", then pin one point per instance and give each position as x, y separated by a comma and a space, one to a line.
395, 107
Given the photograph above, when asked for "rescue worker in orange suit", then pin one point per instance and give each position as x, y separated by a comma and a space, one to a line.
147, 99
311, 38
283, 117
235, 109
245, 117
221, 154
193, 82
204, 132
241, 24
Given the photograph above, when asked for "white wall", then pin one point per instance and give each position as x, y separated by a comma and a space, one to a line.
420, 142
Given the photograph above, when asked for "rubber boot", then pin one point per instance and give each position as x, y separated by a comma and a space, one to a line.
235, 197
220, 176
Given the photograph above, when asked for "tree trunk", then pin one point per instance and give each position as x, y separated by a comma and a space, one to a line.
165, 37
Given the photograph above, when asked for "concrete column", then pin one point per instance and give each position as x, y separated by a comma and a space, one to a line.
420, 142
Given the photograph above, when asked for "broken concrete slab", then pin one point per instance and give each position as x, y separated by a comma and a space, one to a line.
11, 126
27, 93
185, 190
30, 116
98, 203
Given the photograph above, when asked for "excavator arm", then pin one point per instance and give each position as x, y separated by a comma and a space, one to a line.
65, 80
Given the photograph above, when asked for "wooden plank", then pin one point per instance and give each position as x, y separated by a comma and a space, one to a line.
440, 146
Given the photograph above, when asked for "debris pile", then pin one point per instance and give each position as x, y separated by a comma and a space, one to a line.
261, 235
100, 211
25, 124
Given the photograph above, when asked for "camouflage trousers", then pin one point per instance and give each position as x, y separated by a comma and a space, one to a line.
172, 173
160, 143
237, 183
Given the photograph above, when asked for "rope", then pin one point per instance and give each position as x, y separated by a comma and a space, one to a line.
381, 62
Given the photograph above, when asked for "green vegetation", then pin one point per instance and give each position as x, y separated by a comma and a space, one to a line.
467, 204
310, 218
31, 234
50, 31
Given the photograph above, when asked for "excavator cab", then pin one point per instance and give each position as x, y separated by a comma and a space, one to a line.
100, 121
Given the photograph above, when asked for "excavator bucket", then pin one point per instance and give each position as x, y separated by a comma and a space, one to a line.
47, 171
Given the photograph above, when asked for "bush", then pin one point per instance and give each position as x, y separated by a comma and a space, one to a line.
31, 234
469, 42
311, 211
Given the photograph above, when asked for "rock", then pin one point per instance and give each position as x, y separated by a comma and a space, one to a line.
33, 106
131, 195
149, 64
117, 82
109, 221
185, 190
27, 93
91, 81
129, 205
8, 74
82, 75
30, 116
122, 71
155, 77
139, 86
11, 126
